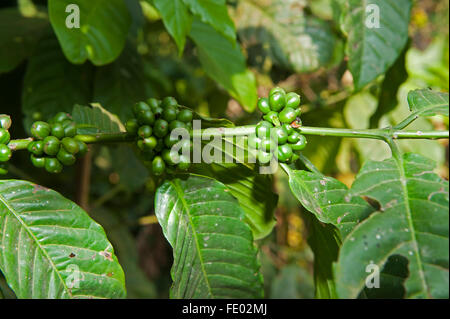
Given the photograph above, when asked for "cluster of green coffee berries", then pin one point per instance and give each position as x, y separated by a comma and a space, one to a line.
277, 135
153, 122
54, 145
5, 137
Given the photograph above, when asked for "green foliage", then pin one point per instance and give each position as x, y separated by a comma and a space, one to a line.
204, 225
428, 103
44, 243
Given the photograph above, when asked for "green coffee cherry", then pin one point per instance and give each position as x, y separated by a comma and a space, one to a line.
277, 90
3, 168
253, 141
292, 100
264, 157
158, 165
70, 145
65, 157
40, 130
154, 104
5, 153
277, 101
170, 157
5, 121
294, 137
272, 117
300, 145
145, 131
161, 128
185, 116
61, 117
170, 140
289, 129
5, 137
176, 124
147, 144
169, 101
263, 105
267, 145
284, 153
51, 145
58, 130
132, 126
70, 129
169, 113
263, 129
288, 115
184, 163
36, 148
139, 108
52, 165
279, 134
38, 162
83, 149
146, 118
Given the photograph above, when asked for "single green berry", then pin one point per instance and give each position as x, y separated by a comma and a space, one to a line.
158, 165
169, 113
145, 131
263, 105
38, 162
5, 137
300, 145
294, 137
5, 153
5, 121
61, 117
277, 90
284, 153
185, 116
177, 124
272, 117
267, 145
40, 130
65, 157
184, 163
277, 101
279, 135
154, 104
288, 115
147, 144
146, 118
36, 148
132, 126
83, 148
58, 130
263, 129
169, 101
289, 129
70, 145
264, 157
70, 129
292, 100
170, 140
3, 168
52, 165
140, 107
161, 128
170, 157
51, 145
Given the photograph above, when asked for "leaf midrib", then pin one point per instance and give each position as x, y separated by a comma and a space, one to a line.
44, 252
180, 194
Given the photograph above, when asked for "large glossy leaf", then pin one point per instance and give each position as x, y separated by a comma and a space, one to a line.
293, 39
176, 18
214, 13
104, 26
213, 250
225, 63
373, 48
426, 102
96, 119
50, 248
18, 37
57, 86
412, 222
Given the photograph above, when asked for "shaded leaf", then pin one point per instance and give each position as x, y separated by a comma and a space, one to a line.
213, 250
104, 26
426, 102
96, 119
47, 242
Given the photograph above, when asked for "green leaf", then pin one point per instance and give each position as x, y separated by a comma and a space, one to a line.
328, 199
412, 222
58, 86
96, 119
103, 30
18, 37
214, 13
176, 18
373, 49
46, 242
119, 85
213, 250
293, 39
426, 102
225, 64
